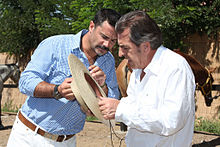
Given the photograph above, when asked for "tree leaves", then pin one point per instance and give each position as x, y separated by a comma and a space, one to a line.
24, 23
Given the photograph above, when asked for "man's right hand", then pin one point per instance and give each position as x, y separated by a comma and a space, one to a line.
65, 89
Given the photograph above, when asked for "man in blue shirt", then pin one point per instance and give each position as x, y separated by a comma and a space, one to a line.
51, 115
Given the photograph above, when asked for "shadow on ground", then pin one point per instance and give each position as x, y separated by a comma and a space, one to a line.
6, 128
211, 143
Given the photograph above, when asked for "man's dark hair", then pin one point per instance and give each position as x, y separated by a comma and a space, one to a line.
142, 28
109, 15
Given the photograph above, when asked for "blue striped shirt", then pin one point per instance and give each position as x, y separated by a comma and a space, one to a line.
50, 63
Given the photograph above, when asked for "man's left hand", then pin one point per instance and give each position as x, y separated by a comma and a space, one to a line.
108, 107
97, 73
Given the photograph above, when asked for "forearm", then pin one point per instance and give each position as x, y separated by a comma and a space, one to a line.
44, 89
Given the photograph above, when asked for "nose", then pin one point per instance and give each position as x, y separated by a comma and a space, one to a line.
107, 43
208, 101
120, 52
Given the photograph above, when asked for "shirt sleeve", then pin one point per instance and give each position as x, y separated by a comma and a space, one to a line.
171, 113
38, 68
107, 64
112, 84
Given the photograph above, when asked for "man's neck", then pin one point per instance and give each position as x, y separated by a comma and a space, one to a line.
86, 48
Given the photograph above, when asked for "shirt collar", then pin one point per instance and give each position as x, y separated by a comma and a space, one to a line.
78, 38
155, 63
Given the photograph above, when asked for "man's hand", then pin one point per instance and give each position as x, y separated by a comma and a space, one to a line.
97, 73
65, 89
108, 107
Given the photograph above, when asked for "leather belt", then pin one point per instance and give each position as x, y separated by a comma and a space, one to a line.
58, 138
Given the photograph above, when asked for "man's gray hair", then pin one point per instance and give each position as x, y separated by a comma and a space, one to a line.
142, 28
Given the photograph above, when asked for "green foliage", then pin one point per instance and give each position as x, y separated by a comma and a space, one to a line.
85, 11
53, 17
8, 107
15, 23
24, 23
178, 18
207, 125
91, 118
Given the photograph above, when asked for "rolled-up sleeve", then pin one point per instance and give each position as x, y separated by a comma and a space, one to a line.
38, 68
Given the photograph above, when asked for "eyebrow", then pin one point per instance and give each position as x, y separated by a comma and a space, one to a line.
123, 46
114, 39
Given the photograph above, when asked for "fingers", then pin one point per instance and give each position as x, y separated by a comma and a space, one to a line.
101, 101
100, 98
68, 80
91, 67
102, 106
108, 107
97, 74
96, 71
65, 89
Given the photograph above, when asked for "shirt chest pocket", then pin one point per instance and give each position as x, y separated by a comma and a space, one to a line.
148, 99
148, 95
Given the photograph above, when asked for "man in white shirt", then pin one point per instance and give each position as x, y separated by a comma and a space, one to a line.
159, 109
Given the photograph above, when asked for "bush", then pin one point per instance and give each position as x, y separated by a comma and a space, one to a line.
207, 125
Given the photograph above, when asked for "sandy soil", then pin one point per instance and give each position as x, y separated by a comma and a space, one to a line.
96, 134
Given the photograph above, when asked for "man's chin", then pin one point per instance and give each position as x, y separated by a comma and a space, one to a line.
101, 52
130, 63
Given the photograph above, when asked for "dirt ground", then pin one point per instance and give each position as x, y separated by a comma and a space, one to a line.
96, 134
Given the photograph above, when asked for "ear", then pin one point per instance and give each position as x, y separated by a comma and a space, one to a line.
91, 26
146, 46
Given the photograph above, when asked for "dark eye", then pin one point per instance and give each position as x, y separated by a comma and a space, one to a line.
125, 48
104, 37
114, 40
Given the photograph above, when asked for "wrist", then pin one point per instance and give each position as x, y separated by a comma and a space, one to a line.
103, 85
56, 93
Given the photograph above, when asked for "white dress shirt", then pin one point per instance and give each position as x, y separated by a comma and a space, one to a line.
160, 110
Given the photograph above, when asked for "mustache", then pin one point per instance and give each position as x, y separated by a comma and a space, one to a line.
102, 47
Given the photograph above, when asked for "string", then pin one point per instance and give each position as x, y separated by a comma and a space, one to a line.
113, 133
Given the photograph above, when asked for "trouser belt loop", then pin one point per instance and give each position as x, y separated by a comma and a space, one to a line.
64, 137
36, 129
